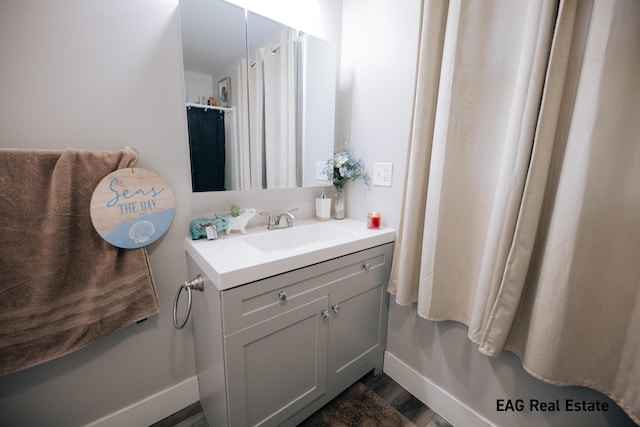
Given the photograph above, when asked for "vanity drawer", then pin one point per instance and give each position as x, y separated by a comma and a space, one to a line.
255, 302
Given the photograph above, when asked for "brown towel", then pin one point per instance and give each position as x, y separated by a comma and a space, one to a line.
62, 286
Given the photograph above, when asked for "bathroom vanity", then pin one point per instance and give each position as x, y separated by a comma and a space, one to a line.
288, 318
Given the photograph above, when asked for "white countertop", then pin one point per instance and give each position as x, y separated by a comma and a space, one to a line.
232, 260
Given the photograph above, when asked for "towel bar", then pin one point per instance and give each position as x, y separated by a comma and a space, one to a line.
198, 285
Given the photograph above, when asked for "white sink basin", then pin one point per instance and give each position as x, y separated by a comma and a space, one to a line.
295, 238
237, 259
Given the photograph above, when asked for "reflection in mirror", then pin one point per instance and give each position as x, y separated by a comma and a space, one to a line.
213, 45
272, 59
260, 99
317, 105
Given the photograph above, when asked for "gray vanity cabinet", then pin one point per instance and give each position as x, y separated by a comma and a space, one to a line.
292, 342
357, 330
277, 367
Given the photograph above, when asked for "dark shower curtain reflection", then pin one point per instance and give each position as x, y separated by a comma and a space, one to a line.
206, 148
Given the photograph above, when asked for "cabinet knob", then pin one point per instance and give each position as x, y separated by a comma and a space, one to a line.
335, 308
324, 314
282, 295
366, 266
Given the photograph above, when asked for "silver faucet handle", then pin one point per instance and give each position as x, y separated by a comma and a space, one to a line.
290, 217
272, 220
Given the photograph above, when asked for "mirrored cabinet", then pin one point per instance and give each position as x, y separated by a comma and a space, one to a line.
260, 99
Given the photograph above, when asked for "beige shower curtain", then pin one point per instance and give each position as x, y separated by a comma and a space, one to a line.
280, 112
242, 155
256, 119
271, 100
521, 214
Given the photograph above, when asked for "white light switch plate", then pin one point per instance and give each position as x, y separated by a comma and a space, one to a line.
382, 173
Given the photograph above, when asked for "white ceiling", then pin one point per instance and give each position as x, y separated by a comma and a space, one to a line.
213, 33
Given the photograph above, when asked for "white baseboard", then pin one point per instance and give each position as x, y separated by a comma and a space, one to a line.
436, 398
172, 399
153, 408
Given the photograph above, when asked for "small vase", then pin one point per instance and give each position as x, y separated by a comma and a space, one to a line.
338, 204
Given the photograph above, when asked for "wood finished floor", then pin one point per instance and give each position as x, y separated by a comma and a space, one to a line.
404, 402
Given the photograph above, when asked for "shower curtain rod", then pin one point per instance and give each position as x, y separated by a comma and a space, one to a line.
274, 49
214, 107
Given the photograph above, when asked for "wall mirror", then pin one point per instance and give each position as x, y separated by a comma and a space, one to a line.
260, 99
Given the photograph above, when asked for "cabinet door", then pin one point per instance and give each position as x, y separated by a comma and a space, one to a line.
358, 327
277, 367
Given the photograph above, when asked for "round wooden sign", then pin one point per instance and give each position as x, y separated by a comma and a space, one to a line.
132, 208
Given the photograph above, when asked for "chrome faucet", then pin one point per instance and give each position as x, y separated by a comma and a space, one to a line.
274, 221
289, 217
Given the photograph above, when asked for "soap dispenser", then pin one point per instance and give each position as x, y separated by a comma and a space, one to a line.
323, 207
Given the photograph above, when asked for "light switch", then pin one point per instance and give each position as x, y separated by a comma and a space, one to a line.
321, 175
382, 173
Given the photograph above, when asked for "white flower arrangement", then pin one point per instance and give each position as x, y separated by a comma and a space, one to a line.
346, 167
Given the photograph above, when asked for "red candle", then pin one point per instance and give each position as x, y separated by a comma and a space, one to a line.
373, 220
